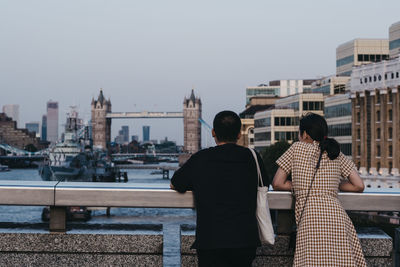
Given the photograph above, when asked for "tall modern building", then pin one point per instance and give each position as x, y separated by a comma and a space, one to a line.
33, 127
280, 88
146, 133
52, 121
12, 111
125, 133
43, 136
360, 51
394, 40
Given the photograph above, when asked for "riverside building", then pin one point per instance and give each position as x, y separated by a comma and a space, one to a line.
394, 40
360, 51
376, 125
280, 88
330, 85
281, 123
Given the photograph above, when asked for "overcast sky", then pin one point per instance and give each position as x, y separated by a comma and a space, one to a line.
147, 55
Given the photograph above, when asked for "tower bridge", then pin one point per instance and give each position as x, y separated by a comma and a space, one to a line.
102, 116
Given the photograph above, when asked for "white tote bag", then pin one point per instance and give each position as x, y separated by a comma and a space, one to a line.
265, 229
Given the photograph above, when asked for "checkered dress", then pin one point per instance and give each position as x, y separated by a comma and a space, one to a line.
326, 235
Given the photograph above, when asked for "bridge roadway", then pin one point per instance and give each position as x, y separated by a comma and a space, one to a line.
58, 195
144, 115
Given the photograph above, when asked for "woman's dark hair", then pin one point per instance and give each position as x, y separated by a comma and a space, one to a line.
317, 128
227, 126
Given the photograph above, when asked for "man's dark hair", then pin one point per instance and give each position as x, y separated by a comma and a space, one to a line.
227, 126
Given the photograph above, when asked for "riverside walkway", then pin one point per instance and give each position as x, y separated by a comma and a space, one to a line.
59, 195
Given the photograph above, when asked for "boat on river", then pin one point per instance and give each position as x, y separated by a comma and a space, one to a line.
4, 168
73, 159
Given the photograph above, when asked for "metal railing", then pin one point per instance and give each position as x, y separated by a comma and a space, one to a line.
59, 195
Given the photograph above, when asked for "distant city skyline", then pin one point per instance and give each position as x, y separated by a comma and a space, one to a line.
148, 55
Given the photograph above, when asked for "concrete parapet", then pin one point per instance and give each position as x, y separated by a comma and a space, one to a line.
37, 249
376, 244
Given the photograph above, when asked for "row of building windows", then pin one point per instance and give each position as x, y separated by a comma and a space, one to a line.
346, 149
264, 136
339, 88
378, 133
372, 58
378, 97
294, 105
286, 136
313, 105
390, 151
338, 110
394, 44
262, 91
340, 129
264, 122
279, 136
345, 61
378, 115
325, 90
286, 121
379, 77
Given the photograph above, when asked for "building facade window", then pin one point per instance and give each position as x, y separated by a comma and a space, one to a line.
346, 149
264, 122
345, 61
313, 105
264, 136
390, 115
358, 117
358, 134
378, 133
286, 136
390, 132
338, 110
378, 150
390, 151
286, 121
339, 129
378, 116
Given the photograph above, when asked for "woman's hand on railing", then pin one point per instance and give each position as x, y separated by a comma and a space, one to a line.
280, 182
354, 184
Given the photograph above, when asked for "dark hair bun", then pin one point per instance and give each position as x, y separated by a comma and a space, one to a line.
331, 146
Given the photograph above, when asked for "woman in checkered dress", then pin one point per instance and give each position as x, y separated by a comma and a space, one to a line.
325, 234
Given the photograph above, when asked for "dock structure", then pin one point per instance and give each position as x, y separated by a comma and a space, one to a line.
163, 168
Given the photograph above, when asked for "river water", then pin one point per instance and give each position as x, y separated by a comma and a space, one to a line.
122, 220
17, 214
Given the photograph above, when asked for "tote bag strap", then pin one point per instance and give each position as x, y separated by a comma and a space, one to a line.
258, 167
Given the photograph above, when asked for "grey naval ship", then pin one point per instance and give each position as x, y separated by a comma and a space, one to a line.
73, 159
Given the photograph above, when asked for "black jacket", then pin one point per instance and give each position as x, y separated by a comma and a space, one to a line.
224, 182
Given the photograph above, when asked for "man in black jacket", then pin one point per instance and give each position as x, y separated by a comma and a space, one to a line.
224, 182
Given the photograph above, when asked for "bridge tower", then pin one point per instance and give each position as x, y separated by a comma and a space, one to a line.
101, 125
191, 123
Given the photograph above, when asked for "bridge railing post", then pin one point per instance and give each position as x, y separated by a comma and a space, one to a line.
58, 219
